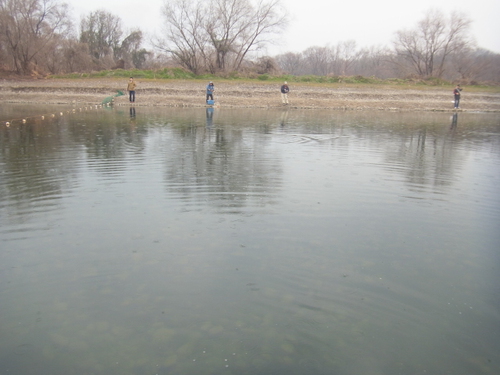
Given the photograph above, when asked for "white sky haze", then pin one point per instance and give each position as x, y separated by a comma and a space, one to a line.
319, 23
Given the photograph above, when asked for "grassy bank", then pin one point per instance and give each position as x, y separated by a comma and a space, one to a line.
181, 74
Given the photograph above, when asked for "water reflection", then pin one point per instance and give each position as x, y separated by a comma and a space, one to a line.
427, 160
177, 241
225, 167
454, 121
284, 117
226, 164
210, 116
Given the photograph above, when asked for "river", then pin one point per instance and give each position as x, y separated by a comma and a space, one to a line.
216, 241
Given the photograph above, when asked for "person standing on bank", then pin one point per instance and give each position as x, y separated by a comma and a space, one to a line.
210, 91
131, 89
284, 93
456, 94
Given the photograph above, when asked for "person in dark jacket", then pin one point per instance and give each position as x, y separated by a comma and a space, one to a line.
456, 94
284, 93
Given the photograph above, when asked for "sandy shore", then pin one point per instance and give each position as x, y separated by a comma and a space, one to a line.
234, 94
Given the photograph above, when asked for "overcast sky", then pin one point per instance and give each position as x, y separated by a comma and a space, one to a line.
319, 23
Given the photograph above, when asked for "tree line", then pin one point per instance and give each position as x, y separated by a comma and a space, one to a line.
225, 37
438, 46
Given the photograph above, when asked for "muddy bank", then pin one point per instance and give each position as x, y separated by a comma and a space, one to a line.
233, 94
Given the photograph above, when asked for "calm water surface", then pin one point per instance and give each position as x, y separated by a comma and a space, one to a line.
162, 241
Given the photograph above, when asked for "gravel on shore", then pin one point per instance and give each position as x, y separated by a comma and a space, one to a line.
234, 94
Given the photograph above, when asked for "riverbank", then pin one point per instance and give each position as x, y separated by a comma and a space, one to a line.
235, 94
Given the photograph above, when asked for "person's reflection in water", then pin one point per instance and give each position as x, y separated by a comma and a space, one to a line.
284, 118
210, 115
132, 117
454, 121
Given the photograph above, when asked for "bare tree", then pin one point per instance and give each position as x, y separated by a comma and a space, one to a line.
329, 60
226, 23
318, 60
291, 63
474, 65
218, 35
28, 28
130, 51
187, 40
237, 26
52, 56
374, 62
265, 65
492, 71
76, 56
102, 32
346, 53
427, 47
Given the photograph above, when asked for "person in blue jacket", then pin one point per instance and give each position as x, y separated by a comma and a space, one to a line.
210, 91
